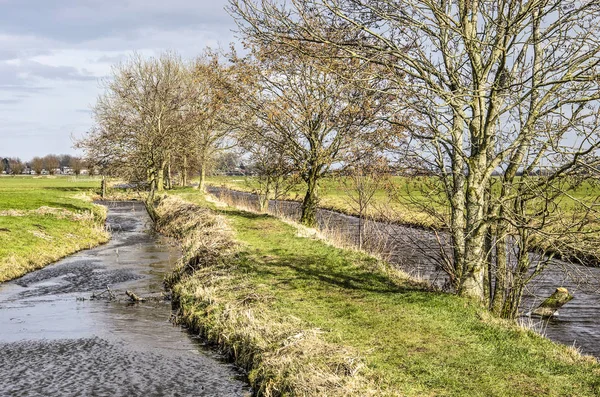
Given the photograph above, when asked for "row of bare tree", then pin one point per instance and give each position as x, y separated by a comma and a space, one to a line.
497, 101
161, 117
496, 87
295, 115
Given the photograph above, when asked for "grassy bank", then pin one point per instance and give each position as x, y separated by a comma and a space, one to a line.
306, 318
408, 201
45, 219
335, 196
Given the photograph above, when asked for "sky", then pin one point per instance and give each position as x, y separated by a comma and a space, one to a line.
54, 53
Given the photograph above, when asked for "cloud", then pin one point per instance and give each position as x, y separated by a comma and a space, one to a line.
38, 70
9, 101
78, 21
52, 54
31, 77
22, 89
6, 54
111, 59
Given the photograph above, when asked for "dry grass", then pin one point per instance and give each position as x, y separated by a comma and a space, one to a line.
283, 354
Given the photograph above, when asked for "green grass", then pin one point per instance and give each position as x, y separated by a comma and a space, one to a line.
408, 195
407, 206
31, 235
413, 341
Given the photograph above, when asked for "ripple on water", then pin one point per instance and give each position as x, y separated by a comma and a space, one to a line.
74, 276
95, 367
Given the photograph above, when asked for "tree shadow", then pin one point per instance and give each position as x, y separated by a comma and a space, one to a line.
67, 206
68, 189
298, 268
245, 214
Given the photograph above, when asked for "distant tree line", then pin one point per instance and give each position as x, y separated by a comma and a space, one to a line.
50, 164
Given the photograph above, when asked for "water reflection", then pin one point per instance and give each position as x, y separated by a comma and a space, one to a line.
54, 343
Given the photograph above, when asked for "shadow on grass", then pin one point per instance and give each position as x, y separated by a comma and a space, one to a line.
245, 214
68, 189
67, 206
303, 265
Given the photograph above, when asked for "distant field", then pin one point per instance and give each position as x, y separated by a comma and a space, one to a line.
406, 205
404, 208
44, 219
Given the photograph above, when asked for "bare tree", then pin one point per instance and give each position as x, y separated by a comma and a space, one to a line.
308, 111
77, 164
37, 165
227, 161
139, 119
15, 165
65, 160
51, 163
212, 113
495, 86
274, 173
361, 181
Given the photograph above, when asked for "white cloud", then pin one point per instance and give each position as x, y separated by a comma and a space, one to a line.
52, 54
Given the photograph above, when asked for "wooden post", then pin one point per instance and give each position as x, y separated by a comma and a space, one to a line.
103, 187
554, 302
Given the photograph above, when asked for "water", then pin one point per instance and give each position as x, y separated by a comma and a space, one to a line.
52, 343
418, 253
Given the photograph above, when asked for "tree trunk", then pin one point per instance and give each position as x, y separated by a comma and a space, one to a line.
169, 177
202, 176
309, 204
133, 297
550, 305
488, 279
360, 231
457, 201
160, 178
103, 187
263, 202
184, 172
263, 197
499, 295
472, 283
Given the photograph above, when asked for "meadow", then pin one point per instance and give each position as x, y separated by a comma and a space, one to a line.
44, 219
307, 318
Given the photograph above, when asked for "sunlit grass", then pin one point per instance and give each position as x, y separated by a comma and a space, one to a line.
31, 236
413, 341
418, 202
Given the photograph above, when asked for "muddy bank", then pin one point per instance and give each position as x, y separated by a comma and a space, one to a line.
55, 341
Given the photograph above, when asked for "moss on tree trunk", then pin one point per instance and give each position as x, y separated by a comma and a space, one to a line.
558, 299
